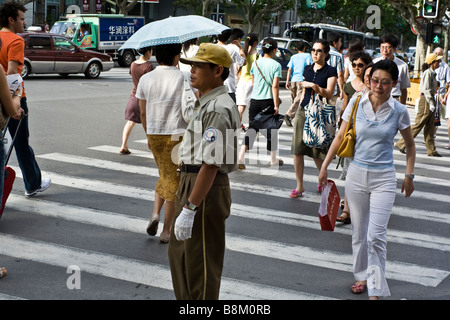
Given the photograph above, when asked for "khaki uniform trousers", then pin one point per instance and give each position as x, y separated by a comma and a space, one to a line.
424, 119
196, 263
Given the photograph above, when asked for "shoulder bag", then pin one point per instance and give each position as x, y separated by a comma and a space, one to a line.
347, 147
320, 123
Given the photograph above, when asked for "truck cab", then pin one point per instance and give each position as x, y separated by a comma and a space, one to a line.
101, 32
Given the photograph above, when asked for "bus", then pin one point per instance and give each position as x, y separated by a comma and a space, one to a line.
313, 32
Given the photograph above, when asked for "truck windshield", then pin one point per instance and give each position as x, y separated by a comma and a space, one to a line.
65, 28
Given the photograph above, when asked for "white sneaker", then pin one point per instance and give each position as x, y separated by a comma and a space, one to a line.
45, 184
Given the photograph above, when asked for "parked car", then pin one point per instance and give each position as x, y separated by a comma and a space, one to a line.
282, 56
51, 53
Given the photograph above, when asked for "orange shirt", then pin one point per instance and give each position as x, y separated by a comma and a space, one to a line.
12, 49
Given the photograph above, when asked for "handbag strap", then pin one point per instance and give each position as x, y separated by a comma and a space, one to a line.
353, 114
262, 75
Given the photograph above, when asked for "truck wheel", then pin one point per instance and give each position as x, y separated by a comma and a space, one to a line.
93, 70
26, 70
126, 59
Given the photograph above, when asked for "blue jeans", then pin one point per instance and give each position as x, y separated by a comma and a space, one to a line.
25, 155
2, 168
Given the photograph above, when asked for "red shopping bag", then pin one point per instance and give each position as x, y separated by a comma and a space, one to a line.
329, 206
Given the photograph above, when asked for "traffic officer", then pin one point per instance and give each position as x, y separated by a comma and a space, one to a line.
207, 153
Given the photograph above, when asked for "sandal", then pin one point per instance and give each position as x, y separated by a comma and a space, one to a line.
241, 166
2, 272
295, 194
359, 287
344, 217
153, 226
279, 163
164, 238
124, 151
319, 188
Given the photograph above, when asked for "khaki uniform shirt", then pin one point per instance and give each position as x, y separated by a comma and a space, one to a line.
212, 133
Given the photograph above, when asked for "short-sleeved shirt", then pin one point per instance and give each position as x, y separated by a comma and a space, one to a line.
211, 136
375, 132
320, 77
236, 61
12, 49
297, 63
403, 76
337, 61
443, 76
137, 70
162, 89
262, 89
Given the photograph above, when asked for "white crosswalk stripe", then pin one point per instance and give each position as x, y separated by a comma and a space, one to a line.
109, 265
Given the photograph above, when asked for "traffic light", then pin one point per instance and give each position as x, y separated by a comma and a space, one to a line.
430, 8
434, 33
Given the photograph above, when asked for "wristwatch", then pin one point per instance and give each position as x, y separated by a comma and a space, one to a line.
191, 206
409, 175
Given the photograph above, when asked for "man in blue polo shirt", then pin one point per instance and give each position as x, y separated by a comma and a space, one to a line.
296, 66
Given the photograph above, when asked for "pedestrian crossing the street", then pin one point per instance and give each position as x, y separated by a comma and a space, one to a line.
274, 246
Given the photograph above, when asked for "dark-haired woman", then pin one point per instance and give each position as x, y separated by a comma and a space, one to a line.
371, 183
132, 112
245, 84
266, 74
159, 93
359, 62
319, 78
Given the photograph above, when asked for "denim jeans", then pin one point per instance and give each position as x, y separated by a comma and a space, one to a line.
25, 155
2, 167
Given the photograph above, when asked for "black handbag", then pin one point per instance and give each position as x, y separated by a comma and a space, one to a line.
268, 121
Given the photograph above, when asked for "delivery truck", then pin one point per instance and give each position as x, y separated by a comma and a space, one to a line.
101, 32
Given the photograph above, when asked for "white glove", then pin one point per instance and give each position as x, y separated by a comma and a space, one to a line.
183, 224
432, 107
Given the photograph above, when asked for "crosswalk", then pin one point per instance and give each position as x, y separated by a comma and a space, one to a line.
266, 231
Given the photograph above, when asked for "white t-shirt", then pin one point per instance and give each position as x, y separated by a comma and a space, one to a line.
236, 60
348, 65
162, 89
188, 54
403, 76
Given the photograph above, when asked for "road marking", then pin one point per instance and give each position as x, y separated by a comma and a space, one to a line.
264, 189
133, 270
265, 248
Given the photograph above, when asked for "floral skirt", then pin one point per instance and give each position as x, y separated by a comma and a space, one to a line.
161, 146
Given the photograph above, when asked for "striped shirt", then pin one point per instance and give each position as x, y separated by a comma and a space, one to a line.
336, 60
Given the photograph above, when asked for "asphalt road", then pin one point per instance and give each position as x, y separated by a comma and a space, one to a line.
84, 238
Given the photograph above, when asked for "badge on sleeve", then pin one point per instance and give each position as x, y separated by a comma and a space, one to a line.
210, 134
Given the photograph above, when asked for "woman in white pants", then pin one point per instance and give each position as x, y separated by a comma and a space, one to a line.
370, 185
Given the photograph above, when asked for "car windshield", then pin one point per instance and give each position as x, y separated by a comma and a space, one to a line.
64, 28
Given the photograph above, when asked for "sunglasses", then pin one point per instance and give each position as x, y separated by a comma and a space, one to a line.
359, 65
316, 50
383, 83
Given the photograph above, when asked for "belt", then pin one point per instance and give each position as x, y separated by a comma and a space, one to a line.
189, 169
